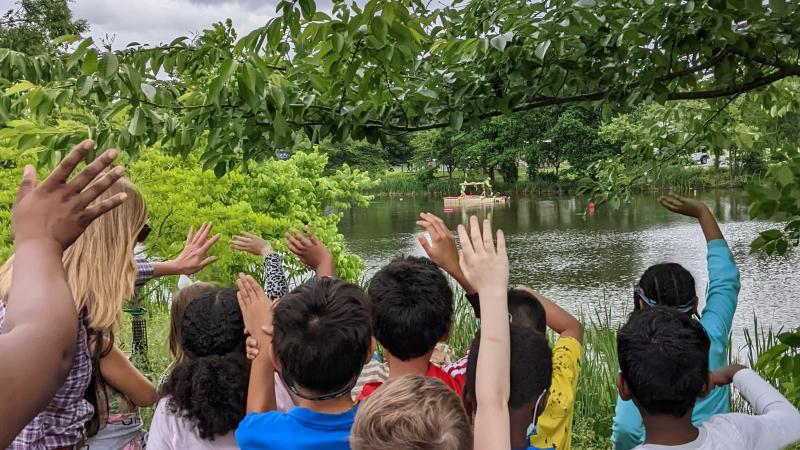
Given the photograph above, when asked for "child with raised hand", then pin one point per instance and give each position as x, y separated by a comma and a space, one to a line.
45, 220
321, 338
664, 369
530, 309
275, 283
673, 286
203, 398
412, 309
486, 269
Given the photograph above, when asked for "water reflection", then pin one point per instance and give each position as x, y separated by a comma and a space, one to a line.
590, 262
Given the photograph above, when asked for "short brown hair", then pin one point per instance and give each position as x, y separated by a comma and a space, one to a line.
412, 412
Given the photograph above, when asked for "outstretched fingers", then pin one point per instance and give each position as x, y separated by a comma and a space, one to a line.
28, 182
475, 233
488, 243
61, 173
93, 171
100, 208
97, 188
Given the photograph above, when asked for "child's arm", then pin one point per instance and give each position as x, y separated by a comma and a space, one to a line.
723, 275
487, 270
275, 283
312, 252
693, 208
776, 423
257, 314
558, 320
442, 249
192, 258
40, 319
118, 371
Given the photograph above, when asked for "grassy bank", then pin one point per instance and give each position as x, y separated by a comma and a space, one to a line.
545, 182
596, 394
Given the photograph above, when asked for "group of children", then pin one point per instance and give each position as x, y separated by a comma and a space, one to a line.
329, 365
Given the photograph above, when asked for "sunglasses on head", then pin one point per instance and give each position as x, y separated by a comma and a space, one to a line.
143, 233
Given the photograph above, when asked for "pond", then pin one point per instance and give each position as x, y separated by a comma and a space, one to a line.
590, 263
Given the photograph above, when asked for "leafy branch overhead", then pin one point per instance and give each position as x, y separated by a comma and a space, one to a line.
393, 67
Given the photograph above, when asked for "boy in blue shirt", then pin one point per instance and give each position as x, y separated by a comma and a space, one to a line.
318, 341
673, 286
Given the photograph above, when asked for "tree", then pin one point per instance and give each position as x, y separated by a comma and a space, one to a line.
398, 149
361, 155
397, 66
34, 24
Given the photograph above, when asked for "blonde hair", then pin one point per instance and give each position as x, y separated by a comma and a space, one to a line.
100, 269
180, 302
412, 412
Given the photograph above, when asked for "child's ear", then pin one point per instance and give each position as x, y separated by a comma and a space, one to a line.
371, 350
274, 357
707, 387
622, 387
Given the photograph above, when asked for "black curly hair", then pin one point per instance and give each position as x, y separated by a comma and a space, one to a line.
412, 306
209, 387
668, 284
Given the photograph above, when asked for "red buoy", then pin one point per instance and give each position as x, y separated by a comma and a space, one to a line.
591, 207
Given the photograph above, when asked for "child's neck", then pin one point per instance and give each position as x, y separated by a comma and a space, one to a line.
414, 366
666, 429
333, 406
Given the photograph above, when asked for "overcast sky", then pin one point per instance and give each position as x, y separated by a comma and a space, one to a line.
157, 21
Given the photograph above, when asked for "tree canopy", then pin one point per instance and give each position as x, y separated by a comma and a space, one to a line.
396, 66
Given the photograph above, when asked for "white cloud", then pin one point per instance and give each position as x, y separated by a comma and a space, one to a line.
160, 21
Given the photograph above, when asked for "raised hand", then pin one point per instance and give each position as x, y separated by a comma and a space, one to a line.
682, 205
192, 258
59, 209
256, 309
311, 252
485, 267
250, 243
442, 248
693, 208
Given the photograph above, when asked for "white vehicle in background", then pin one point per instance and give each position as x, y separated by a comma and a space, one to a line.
700, 157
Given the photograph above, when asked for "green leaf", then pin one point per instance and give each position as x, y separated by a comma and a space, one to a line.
277, 96
499, 42
379, 28
428, 94
22, 86
66, 39
338, 42
783, 174
308, 8
790, 339
28, 141
541, 49
274, 33
149, 91
89, 62
137, 126
85, 85
279, 124
111, 64
456, 120
771, 234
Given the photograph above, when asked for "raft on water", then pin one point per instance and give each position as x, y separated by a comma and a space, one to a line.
470, 200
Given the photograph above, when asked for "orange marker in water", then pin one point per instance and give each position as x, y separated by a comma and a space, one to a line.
591, 208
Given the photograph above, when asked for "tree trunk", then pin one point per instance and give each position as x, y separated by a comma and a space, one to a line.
450, 169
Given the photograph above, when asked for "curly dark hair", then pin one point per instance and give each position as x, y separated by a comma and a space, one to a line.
412, 306
209, 387
668, 284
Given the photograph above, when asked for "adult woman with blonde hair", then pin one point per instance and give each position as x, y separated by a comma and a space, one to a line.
100, 274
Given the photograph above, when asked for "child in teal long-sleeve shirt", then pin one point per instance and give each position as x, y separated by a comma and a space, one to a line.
672, 285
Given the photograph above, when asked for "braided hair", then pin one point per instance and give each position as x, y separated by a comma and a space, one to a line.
667, 284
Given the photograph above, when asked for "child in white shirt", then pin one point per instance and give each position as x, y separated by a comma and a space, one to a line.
664, 368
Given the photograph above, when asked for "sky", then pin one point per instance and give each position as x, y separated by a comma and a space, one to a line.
160, 21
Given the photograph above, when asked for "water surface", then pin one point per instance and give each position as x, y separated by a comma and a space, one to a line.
590, 263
